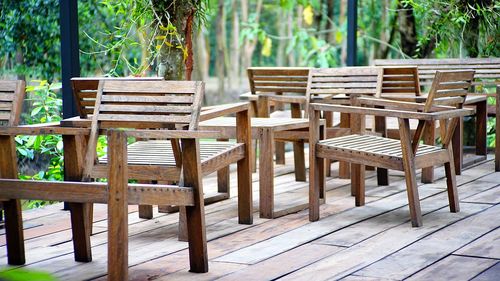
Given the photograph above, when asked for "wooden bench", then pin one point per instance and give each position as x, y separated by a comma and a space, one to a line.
405, 154
487, 77
173, 109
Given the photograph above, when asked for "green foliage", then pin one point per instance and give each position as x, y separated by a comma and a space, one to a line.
30, 38
20, 274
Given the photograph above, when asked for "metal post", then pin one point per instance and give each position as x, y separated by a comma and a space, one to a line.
352, 28
70, 57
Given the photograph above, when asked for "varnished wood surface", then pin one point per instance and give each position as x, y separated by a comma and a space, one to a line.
375, 240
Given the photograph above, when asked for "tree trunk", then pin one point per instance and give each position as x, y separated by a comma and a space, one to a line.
250, 44
235, 45
342, 17
280, 54
407, 29
176, 58
291, 54
330, 36
220, 37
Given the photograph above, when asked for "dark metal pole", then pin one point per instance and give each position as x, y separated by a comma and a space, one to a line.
70, 57
352, 28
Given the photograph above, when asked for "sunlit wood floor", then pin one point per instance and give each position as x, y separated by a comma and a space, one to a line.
372, 242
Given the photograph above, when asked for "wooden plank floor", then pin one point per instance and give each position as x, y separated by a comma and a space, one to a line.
372, 242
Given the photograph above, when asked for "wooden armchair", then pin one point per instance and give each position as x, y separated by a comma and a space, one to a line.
339, 86
85, 92
406, 154
173, 109
272, 89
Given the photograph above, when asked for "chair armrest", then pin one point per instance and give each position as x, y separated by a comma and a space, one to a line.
400, 104
392, 112
173, 134
43, 129
223, 110
284, 99
248, 96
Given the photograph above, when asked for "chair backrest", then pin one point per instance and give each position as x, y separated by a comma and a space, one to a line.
85, 91
451, 88
487, 70
449, 85
400, 81
278, 80
143, 104
345, 81
11, 100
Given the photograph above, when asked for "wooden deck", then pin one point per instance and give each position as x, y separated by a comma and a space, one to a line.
372, 242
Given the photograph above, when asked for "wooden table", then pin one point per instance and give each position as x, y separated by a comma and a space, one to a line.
267, 130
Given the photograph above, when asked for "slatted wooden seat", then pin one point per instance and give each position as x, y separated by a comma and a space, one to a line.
486, 79
173, 109
406, 154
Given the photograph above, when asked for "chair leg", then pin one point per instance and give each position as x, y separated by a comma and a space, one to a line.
451, 183
430, 139
458, 146
80, 227
146, 212
299, 159
245, 200
410, 175
195, 215
481, 127
183, 229
497, 130
14, 232
316, 177
223, 178
266, 174
279, 152
117, 207
358, 183
382, 176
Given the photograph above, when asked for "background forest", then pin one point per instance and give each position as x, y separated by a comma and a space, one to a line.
149, 38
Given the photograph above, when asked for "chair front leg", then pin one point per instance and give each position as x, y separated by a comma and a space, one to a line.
316, 167
410, 174
195, 215
12, 208
245, 200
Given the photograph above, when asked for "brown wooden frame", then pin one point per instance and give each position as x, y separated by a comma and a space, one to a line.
405, 155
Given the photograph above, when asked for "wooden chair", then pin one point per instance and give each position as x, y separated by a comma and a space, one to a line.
271, 90
173, 108
406, 154
85, 91
339, 86
486, 83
